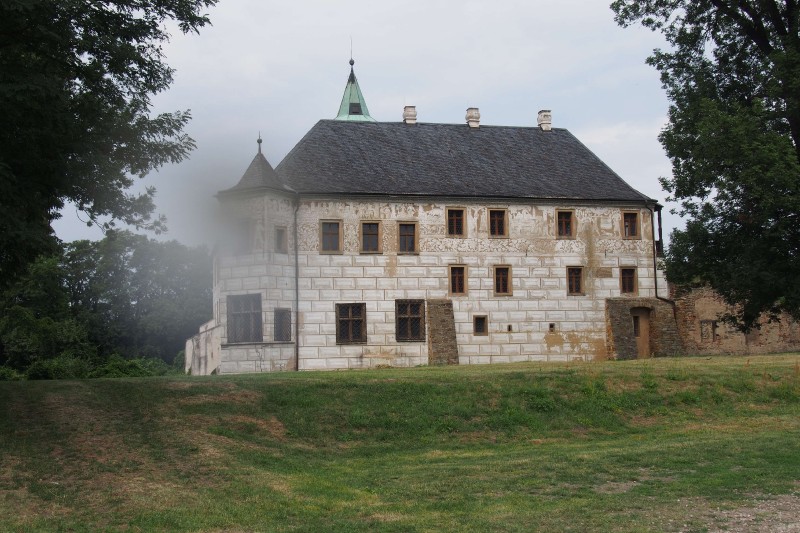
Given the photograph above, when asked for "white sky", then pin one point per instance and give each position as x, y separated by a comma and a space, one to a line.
279, 66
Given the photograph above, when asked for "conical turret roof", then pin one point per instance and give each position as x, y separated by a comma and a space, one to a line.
353, 107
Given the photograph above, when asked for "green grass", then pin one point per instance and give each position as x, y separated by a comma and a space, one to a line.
656, 445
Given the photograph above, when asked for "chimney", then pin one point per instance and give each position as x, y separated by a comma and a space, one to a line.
545, 120
473, 117
410, 114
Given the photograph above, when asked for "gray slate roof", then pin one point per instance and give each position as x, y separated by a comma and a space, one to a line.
357, 158
259, 174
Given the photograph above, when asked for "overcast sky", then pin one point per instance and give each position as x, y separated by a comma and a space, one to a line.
279, 66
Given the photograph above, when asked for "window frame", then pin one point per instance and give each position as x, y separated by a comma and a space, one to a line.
399, 316
463, 269
582, 289
378, 237
571, 214
255, 317
504, 212
485, 331
363, 319
415, 225
322, 234
637, 226
496, 270
634, 280
463, 233
277, 326
281, 244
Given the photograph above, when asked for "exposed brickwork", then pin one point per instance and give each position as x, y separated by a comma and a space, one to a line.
664, 338
442, 345
703, 332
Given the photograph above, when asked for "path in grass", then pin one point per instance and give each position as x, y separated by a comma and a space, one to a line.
690, 444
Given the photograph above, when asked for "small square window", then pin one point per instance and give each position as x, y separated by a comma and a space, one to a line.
281, 240
630, 225
351, 323
355, 108
480, 325
283, 325
458, 279
502, 281
244, 318
498, 226
564, 225
407, 237
330, 236
410, 320
575, 281
627, 280
455, 222
370, 237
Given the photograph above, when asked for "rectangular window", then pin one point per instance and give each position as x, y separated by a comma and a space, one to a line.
497, 223
627, 280
283, 325
630, 225
502, 281
458, 279
708, 330
480, 325
636, 327
407, 237
370, 237
244, 318
330, 236
455, 223
564, 225
410, 320
351, 323
575, 280
281, 240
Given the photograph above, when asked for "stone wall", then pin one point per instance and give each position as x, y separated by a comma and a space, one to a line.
203, 351
704, 333
621, 342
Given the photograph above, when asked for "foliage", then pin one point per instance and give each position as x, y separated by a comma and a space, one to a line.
732, 75
76, 78
99, 308
651, 445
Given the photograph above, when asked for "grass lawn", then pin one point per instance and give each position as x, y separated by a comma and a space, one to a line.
690, 444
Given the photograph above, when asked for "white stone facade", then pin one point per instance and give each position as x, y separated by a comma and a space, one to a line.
537, 321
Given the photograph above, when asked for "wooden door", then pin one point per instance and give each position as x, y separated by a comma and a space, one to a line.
641, 331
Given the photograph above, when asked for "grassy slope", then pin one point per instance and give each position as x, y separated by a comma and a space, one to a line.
619, 446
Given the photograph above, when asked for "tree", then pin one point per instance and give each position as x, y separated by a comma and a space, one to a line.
732, 75
76, 78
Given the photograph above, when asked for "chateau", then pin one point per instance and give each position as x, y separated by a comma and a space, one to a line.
411, 243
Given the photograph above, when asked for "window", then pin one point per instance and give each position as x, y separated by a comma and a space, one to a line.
283, 325
502, 280
708, 330
564, 225
330, 236
355, 108
410, 320
636, 327
407, 237
244, 318
630, 225
370, 242
281, 240
351, 323
575, 280
455, 223
458, 281
497, 223
480, 325
627, 280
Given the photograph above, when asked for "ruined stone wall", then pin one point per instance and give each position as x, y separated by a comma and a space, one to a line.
202, 352
664, 337
704, 333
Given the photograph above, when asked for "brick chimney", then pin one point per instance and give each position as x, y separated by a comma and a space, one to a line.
473, 117
410, 114
545, 120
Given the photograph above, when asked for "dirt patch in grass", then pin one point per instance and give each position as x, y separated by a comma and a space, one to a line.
778, 514
271, 426
237, 397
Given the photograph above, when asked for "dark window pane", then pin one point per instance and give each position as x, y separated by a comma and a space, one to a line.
244, 318
455, 222
407, 238
369, 237
564, 224
497, 223
330, 236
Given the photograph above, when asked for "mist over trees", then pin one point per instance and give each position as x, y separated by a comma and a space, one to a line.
76, 78
732, 74
93, 306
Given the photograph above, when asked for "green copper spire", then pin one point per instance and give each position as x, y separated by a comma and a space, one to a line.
353, 105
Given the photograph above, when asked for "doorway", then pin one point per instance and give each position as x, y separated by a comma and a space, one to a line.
641, 331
